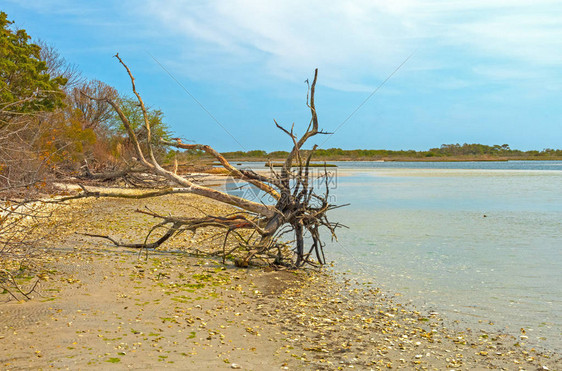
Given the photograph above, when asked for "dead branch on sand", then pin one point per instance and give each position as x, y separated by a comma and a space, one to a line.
298, 212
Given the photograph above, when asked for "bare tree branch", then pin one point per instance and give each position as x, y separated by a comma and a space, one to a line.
256, 226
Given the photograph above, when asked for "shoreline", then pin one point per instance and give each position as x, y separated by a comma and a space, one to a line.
105, 307
461, 320
406, 159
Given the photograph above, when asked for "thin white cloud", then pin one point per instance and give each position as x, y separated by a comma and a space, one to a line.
536, 39
294, 37
507, 72
357, 43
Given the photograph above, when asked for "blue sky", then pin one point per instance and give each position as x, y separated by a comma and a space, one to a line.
480, 71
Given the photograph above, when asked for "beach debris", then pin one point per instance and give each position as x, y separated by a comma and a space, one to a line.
284, 232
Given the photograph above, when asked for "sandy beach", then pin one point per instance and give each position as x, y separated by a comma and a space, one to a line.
101, 307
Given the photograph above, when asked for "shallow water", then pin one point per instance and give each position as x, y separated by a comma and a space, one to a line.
475, 241
480, 242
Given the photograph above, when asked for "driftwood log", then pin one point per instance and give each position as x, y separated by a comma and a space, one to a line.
297, 215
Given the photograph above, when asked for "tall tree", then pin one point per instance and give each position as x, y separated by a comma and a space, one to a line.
25, 84
135, 115
57, 65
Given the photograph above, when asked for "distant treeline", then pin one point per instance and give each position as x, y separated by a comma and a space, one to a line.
447, 152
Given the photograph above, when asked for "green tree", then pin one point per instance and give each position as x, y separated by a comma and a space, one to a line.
158, 128
25, 85
133, 111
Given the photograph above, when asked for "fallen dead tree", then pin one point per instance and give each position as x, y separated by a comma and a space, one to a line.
297, 214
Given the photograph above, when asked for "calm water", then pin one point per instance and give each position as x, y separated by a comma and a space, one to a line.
476, 241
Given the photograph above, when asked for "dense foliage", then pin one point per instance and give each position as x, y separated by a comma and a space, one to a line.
25, 85
49, 125
133, 111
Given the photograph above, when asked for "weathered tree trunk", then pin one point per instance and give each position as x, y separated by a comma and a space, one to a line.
298, 211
